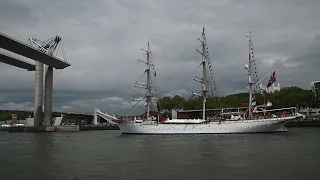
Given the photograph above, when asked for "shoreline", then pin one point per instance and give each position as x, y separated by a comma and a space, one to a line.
303, 123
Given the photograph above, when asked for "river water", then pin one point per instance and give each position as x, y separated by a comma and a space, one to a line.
94, 155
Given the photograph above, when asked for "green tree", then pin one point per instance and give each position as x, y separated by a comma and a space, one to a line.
5, 116
178, 102
165, 103
288, 96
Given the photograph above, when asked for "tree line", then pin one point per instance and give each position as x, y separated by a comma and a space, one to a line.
286, 97
6, 115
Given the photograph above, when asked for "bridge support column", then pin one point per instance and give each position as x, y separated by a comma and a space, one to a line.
38, 95
95, 116
48, 97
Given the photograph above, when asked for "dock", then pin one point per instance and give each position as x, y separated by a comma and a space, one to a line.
68, 128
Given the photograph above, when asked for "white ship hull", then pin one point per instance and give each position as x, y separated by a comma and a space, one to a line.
225, 127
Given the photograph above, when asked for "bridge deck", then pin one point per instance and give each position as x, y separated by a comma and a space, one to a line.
16, 62
24, 49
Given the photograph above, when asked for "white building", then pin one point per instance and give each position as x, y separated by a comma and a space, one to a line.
271, 89
315, 87
310, 111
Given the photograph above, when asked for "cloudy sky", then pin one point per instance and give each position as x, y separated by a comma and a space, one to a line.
103, 40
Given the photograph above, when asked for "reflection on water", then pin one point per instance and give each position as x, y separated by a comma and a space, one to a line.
109, 155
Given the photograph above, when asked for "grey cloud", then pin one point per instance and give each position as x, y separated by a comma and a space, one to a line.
103, 38
302, 67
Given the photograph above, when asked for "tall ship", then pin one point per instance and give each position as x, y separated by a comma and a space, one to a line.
257, 119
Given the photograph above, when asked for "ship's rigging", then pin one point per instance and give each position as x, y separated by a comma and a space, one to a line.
211, 89
212, 86
149, 86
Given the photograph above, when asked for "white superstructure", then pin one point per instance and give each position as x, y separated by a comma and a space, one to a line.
258, 119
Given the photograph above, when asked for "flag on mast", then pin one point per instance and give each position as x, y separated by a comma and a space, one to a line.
272, 79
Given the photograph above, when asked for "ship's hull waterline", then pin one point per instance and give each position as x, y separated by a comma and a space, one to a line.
224, 127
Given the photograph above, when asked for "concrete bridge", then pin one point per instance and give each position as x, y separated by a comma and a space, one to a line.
40, 57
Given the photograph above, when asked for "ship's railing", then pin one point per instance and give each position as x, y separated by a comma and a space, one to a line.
280, 109
274, 113
257, 114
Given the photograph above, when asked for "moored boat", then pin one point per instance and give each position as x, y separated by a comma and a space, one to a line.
257, 119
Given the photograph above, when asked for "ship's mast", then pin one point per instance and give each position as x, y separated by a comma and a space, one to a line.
203, 79
249, 69
211, 84
148, 81
148, 86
